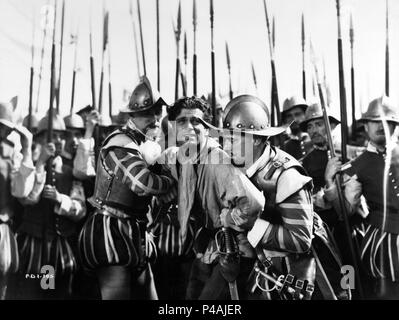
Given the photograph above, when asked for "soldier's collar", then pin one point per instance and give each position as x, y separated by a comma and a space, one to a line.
373, 149
266, 156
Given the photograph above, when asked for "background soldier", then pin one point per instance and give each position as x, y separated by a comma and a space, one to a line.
315, 162
298, 142
119, 251
48, 232
374, 176
16, 180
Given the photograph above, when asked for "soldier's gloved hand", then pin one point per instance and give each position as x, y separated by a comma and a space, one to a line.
333, 166
227, 220
51, 193
47, 152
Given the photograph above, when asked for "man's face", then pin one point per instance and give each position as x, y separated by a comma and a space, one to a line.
317, 132
295, 114
4, 132
58, 139
189, 128
236, 145
375, 131
148, 119
73, 136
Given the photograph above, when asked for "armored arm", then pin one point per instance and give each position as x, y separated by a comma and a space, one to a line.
295, 232
131, 169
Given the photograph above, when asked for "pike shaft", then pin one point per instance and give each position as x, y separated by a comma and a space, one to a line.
338, 183
61, 50
93, 85
177, 78
41, 60
73, 91
195, 74
158, 51
141, 37
30, 98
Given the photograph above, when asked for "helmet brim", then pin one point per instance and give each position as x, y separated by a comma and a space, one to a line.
267, 132
127, 108
303, 125
366, 119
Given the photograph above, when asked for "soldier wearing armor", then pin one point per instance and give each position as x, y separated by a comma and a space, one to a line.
374, 175
48, 232
298, 143
289, 238
207, 184
114, 243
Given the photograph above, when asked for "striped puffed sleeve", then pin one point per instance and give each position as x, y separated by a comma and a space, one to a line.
130, 167
295, 232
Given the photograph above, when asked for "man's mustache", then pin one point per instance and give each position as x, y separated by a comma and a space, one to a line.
315, 135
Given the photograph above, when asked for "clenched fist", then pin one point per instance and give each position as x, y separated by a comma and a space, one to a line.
51, 193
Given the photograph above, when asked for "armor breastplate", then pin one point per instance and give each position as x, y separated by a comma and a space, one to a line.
109, 190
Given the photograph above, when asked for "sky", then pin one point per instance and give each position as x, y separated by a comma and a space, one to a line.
240, 23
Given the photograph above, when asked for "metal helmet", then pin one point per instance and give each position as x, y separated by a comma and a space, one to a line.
294, 102
143, 98
381, 109
249, 114
74, 121
316, 112
34, 121
6, 112
58, 124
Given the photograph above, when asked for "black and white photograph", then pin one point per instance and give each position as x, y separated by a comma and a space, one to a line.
168, 151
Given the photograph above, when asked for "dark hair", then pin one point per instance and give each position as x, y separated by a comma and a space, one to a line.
190, 103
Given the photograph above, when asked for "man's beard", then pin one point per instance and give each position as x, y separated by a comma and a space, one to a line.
295, 129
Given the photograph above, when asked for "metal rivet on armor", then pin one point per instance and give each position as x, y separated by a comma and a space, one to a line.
390, 173
227, 124
262, 126
395, 187
251, 126
397, 194
239, 125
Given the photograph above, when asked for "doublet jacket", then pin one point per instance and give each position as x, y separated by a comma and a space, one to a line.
110, 190
372, 188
